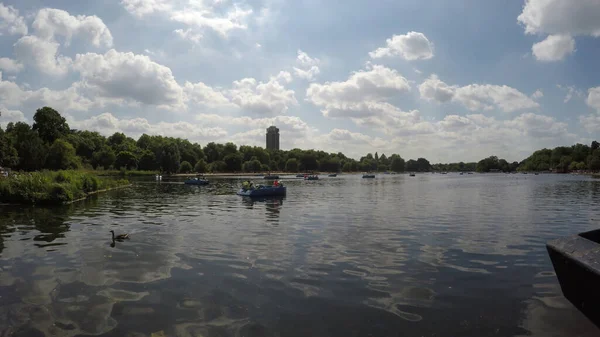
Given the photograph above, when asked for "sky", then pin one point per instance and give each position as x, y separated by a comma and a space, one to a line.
446, 80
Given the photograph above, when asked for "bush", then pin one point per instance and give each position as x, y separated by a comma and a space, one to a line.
48, 187
200, 166
185, 167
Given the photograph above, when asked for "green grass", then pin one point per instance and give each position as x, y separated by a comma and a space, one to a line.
53, 187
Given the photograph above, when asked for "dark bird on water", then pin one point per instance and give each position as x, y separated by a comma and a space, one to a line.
120, 236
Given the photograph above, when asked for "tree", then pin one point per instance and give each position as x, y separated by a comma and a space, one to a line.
30, 147
212, 152
595, 145
308, 162
127, 160
397, 163
252, 166
147, 161
104, 158
291, 165
200, 166
233, 162
185, 167
49, 124
170, 158
9, 157
61, 156
217, 166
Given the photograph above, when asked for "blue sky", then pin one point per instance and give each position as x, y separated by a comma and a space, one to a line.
445, 80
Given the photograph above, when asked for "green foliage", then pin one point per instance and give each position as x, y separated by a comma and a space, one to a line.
397, 164
292, 165
217, 166
56, 187
252, 166
185, 167
9, 157
233, 162
201, 166
61, 156
148, 161
170, 158
104, 158
49, 124
127, 160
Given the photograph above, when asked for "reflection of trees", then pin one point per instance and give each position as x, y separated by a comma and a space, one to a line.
50, 222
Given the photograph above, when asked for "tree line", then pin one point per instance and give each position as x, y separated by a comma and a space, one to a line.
49, 143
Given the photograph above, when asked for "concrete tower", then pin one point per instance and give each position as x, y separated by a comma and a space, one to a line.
272, 138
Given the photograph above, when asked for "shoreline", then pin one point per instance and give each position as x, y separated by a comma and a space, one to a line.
96, 192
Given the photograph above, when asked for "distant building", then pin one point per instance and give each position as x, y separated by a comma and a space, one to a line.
272, 138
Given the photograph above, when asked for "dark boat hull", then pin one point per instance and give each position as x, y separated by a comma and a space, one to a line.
576, 261
196, 182
263, 192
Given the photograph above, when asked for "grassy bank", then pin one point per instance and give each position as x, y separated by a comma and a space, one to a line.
121, 173
53, 187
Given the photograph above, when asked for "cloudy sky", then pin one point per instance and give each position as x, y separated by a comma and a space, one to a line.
447, 80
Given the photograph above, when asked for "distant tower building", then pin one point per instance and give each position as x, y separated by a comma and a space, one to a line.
272, 138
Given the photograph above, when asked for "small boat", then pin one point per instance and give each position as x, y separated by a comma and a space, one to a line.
271, 177
196, 181
369, 176
470, 173
461, 173
411, 174
536, 173
300, 175
315, 177
262, 191
332, 175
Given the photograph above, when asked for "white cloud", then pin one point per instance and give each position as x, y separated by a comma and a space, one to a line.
263, 99
8, 116
432, 89
11, 22
284, 76
42, 54
141, 8
553, 48
108, 124
10, 65
561, 17
201, 93
537, 94
188, 34
593, 99
205, 17
487, 97
70, 99
194, 14
571, 92
363, 94
590, 123
477, 96
51, 22
308, 68
412, 46
129, 76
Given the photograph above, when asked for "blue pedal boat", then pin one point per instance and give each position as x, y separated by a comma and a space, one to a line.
263, 191
196, 181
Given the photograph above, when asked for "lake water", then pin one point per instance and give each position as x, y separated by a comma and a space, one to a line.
431, 255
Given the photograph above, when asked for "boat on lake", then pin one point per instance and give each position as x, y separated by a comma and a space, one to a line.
300, 175
314, 177
411, 174
196, 181
368, 176
332, 175
271, 177
263, 191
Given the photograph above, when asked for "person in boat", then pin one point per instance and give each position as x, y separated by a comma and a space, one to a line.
275, 183
245, 185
